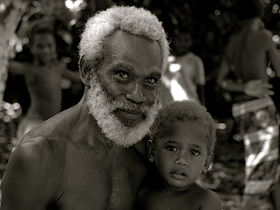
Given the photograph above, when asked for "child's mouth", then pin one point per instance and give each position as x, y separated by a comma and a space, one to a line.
178, 174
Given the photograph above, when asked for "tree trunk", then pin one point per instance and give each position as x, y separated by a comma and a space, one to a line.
9, 19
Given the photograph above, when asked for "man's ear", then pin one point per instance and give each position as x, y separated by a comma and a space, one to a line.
208, 162
85, 71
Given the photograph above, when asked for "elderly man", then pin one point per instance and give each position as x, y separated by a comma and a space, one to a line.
85, 158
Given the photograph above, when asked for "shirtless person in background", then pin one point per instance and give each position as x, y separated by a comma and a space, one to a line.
84, 158
243, 73
43, 77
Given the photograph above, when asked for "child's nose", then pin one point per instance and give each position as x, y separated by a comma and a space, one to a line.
182, 161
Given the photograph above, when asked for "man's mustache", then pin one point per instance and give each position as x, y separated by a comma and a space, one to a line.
124, 104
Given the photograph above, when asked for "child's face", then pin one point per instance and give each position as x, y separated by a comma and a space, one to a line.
43, 48
181, 156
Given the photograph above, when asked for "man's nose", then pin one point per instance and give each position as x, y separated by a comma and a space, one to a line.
136, 95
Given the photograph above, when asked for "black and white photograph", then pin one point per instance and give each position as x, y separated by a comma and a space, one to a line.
139, 104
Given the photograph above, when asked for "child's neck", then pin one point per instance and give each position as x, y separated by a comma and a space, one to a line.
167, 187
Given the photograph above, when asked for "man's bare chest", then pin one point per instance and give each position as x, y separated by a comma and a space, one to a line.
100, 179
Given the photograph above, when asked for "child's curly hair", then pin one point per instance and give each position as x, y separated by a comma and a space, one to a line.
182, 111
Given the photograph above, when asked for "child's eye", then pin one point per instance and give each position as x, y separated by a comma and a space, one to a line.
171, 148
195, 152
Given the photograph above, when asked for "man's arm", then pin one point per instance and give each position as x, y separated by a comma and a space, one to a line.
255, 88
29, 180
224, 82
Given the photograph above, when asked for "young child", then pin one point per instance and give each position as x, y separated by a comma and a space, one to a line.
43, 76
182, 144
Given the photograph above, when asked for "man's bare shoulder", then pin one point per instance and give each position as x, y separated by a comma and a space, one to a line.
38, 150
47, 141
38, 154
34, 163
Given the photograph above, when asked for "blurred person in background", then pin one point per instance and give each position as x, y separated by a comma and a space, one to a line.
243, 73
192, 68
185, 77
43, 75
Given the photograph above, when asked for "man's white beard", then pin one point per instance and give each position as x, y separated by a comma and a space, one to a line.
101, 107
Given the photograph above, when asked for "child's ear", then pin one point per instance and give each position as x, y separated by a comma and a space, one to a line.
152, 157
208, 162
150, 150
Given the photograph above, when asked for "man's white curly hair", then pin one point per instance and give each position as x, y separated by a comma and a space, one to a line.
136, 21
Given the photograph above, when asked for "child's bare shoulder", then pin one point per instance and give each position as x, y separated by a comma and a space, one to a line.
209, 199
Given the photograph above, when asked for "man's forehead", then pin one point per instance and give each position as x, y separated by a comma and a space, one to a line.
122, 39
128, 48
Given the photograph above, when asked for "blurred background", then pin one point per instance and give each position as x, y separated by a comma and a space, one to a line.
211, 24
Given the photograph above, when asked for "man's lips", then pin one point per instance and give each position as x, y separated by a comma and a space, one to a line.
130, 114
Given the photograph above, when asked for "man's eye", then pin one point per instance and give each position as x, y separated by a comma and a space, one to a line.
195, 152
171, 148
122, 75
152, 80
